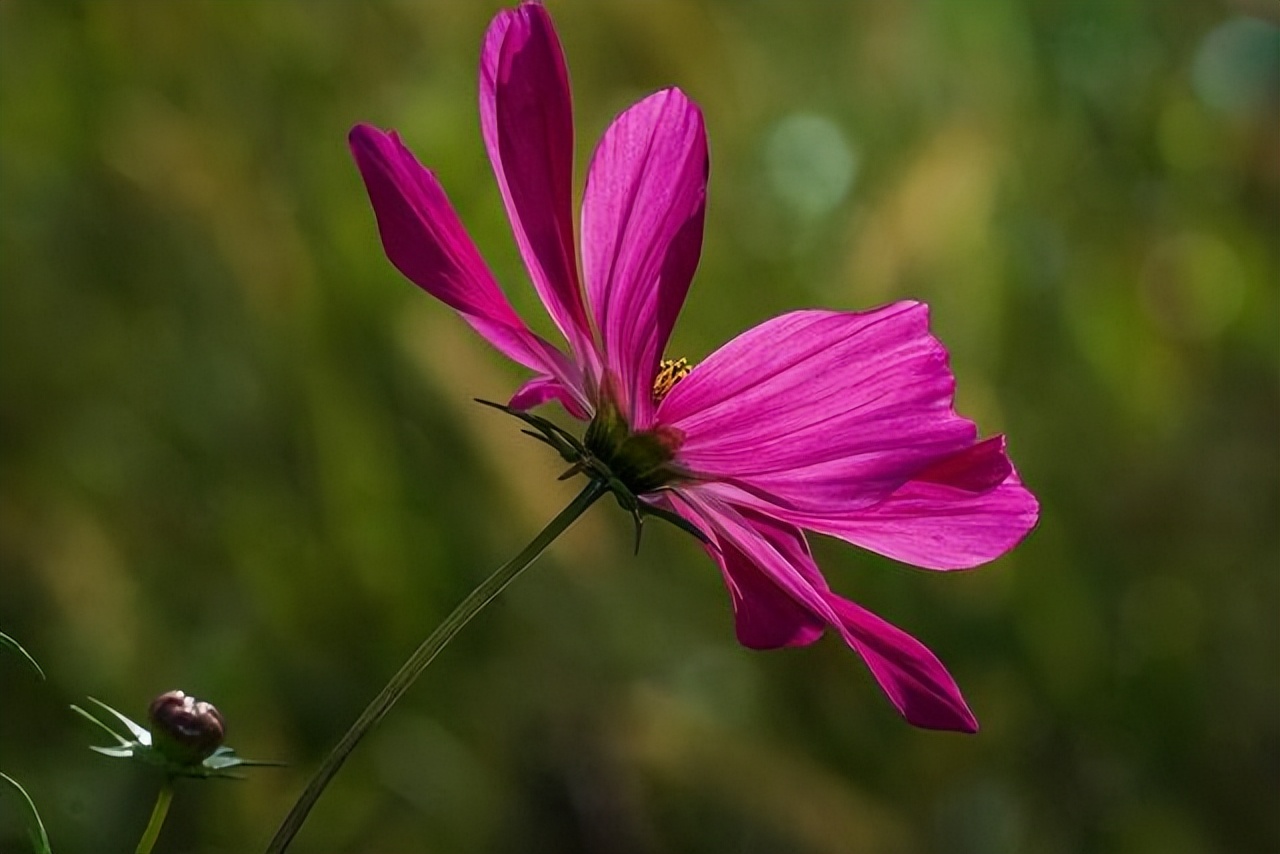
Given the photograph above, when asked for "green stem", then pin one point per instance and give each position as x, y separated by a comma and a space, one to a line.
411, 669
158, 813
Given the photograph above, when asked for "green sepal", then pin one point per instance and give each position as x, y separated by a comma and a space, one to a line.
141, 748
644, 455
565, 443
677, 520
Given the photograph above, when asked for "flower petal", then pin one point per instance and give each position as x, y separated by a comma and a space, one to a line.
527, 120
775, 551
936, 520
426, 242
539, 390
911, 676
978, 468
820, 411
642, 217
764, 616
917, 684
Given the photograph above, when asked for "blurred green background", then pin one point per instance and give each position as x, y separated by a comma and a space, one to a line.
240, 455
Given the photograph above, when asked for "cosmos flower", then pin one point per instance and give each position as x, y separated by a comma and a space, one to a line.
839, 423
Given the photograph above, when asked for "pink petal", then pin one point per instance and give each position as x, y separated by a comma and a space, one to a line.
527, 120
941, 524
776, 552
820, 411
915, 681
539, 390
917, 684
426, 242
978, 468
642, 219
764, 616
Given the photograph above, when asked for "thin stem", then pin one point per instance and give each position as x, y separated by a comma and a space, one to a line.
411, 669
158, 813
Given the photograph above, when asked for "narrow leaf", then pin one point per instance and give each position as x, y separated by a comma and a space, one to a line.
35, 827
12, 644
114, 752
108, 730
140, 733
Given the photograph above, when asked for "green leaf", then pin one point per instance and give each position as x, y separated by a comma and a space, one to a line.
114, 752
224, 757
35, 827
124, 742
12, 644
139, 732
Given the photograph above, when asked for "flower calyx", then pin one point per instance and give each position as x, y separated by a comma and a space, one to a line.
629, 465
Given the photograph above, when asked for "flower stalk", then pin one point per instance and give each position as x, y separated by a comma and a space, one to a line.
158, 814
423, 655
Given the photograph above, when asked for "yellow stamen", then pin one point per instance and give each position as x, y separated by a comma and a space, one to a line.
670, 372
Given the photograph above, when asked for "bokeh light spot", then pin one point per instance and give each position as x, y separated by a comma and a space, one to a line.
1193, 286
810, 164
1237, 68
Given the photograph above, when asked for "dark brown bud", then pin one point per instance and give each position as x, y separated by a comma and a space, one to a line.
184, 729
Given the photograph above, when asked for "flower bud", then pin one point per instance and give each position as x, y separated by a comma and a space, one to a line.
184, 729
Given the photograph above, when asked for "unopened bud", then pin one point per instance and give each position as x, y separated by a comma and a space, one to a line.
184, 729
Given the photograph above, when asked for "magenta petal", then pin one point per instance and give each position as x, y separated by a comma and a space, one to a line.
820, 411
915, 681
539, 390
917, 684
939, 525
426, 242
642, 217
527, 120
978, 468
779, 560
765, 617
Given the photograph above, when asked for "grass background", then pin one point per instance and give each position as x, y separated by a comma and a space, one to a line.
239, 455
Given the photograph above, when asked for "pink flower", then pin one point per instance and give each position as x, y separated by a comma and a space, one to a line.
835, 422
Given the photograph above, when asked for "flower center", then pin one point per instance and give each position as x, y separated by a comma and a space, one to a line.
641, 461
670, 372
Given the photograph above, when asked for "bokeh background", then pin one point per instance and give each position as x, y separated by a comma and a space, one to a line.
240, 455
